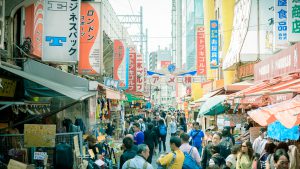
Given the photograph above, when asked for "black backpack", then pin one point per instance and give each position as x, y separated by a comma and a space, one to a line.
63, 156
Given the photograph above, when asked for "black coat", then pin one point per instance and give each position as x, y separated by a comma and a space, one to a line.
207, 155
127, 154
150, 138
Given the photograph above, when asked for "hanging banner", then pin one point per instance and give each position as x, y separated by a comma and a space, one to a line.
38, 28
132, 70
89, 59
280, 22
201, 57
61, 31
214, 44
187, 81
139, 73
293, 21
121, 66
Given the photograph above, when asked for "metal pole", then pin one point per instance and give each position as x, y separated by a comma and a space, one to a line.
146, 52
141, 30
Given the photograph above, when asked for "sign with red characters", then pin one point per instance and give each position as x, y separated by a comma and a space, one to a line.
132, 70
201, 57
139, 73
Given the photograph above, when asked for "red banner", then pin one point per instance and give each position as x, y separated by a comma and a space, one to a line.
89, 58
165, 64
201, 57
132, 70
139, 73
282, 63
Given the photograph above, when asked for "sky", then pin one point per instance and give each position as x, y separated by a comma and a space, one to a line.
157, 18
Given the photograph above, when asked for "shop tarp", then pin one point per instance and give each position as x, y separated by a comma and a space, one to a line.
57, 87
131, 97
213, 106
279, 132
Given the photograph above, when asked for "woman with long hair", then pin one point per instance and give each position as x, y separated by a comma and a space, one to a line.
281, 159
245, 156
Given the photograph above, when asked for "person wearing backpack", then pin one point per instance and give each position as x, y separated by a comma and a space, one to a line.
140, 160
197, 136
174, 159
192, 158
162, 128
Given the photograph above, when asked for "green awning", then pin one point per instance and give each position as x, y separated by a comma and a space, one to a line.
213, 106
131, 97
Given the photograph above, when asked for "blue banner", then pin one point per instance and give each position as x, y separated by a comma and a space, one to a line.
278, 132
150, 73
214, 44
192, 73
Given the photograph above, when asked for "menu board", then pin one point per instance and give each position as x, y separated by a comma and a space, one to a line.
39, 135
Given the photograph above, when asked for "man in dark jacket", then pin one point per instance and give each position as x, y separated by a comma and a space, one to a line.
128, 153
207, 150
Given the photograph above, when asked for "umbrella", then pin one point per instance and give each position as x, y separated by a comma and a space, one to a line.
213, 106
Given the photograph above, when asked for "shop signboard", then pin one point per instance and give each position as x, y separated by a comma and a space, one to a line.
171, 80
280, 24
214, 44
132, 70
293, 14
201, 56
61, 31
187, 81
139, 73
7, 87
39, 135
155, 80
165, 64
246, 70
89, 58
111, 82
277, 98
121, 66
282, 63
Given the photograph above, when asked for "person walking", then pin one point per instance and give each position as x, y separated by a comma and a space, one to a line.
245, 156
173, 126
162, 128
281, 159
206, 156
150, 140
197, 136
138, 134
231, 159
174, 159
259, 143
192, 151
139, 161
128, 153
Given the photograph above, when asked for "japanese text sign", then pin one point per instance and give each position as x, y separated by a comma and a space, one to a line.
132, 70
282, 63
293, 20
214, 44
61, 31
121, 66
7, 87
139, 73
89, 59
38, 135
280, 22
187, 81
201, 57
171, 80
155, 80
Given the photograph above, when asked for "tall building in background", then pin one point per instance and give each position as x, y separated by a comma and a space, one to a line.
177, 32
194, 18
160, 59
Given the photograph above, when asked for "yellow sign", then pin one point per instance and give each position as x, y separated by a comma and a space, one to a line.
38, 135
13, 164
76, 146
7, 87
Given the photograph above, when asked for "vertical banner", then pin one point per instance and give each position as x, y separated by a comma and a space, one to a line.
201, 57
214, 44
89, 58
280, 24
132, 70
2, 22
139, 73
121, 64
38, 27
61, 31
293, 20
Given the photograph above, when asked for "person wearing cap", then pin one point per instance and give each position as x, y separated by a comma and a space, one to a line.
260, 143
173, 126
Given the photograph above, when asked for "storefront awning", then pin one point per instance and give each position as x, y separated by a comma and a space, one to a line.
213, 106
286, 112
60, 88
131, 97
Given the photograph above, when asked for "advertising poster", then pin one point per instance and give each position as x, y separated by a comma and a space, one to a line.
89, 58
61, 31
201, 57
214, 44
139, 73
280, 24
121, 65
132, 70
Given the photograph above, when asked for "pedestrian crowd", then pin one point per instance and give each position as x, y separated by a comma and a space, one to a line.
196, 149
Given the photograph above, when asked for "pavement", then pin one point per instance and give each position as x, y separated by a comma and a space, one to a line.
156, 155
